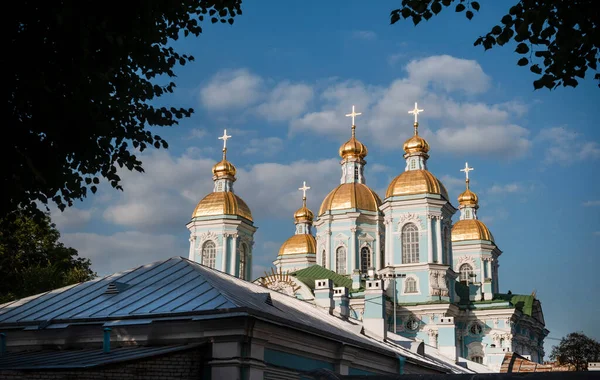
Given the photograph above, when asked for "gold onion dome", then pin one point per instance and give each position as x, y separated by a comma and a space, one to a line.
222, 203
414, 182
471, 229
299, 244
224, 167
303, 215
351, 196
468, 198
416, 144
353, 148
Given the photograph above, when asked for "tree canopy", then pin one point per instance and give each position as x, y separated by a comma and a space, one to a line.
577, 350
557, 39
80, 78
32, 260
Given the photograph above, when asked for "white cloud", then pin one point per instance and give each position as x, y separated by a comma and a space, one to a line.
285, 101
266, 146
596, 233
560, 142
72, 217
453, 184
449, 73
197, 133
125, 250
505, 189
232, 89
591, 203
367, 35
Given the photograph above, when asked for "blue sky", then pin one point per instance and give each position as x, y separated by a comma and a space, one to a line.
281, 79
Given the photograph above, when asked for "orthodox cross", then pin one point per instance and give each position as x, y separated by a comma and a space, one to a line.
303, 189
467, 169
415, 112
224, 138
353, 114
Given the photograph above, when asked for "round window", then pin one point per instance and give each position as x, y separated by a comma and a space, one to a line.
412, 324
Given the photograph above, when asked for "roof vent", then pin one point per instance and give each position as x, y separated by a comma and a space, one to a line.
115, 287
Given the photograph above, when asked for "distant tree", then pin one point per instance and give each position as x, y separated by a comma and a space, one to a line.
563, 35
32, 260
79, 76
577, 350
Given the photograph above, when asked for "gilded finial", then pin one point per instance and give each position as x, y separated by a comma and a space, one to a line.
353, 115
224, 138
304, 188
466, 170
416, 112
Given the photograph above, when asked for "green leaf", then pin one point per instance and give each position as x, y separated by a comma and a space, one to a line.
522, 48
535, 69
460, 7
469, 15
436, 8
523, 61
475, 5
507, 20
497, 30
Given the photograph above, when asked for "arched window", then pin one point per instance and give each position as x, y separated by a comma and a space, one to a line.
410, 285
340, 260
468, 214
410, 244
243, 258
465, 273
324, 259
209, 254
413, 164
356, 172
365, 259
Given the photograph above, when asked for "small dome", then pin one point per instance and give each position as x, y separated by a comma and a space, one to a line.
416, 144
224, 168
298, 244
222, 203
468, 198
304, 215
353, 148
471, 229
351, 196
413, 182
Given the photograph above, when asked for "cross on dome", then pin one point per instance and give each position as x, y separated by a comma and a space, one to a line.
304, 188
224, 138
416, 112
353, 114
467, 169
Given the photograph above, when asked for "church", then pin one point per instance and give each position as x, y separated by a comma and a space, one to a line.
382, 286
440, 278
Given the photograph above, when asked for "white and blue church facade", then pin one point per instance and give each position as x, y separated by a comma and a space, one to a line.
439, 279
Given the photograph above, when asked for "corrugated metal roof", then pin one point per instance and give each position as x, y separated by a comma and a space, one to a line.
86, 358
177, 285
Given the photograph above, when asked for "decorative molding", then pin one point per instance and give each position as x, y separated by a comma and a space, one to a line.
208, 236
438, 283
353, 229
366, 237
280, 282
410, 217
341, 236
433, 336
464, 260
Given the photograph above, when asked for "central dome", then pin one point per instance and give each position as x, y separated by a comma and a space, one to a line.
351, 196
222, 203
297, 244
471, 229
413, 182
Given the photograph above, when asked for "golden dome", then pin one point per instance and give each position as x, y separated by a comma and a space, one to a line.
297, 244
471, 229
224, 168
353, 148
349, 196
468, 198
416, 182
303, 214
222, 203
416, 144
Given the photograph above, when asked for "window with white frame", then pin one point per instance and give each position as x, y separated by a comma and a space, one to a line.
465, 273
413, 164
209, 254
324, 259
410, 243
243, 258
356, 173
410, 285
365, 259
340, 260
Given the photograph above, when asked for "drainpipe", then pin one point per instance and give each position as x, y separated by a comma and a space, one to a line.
401, 361
2, 343
106, 342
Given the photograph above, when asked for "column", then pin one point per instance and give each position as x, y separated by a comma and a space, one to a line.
233, 256
482, 273
328, 250
225, 249
388, 238
392, 257
429, 239
378, 249
438, 234
489, 268
192, 245
352, 255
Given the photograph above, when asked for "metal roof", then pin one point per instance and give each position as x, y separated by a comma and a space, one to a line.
167, 288
86, 358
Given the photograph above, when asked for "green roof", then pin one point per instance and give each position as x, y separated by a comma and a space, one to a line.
519, 301
463, 292
317, 272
